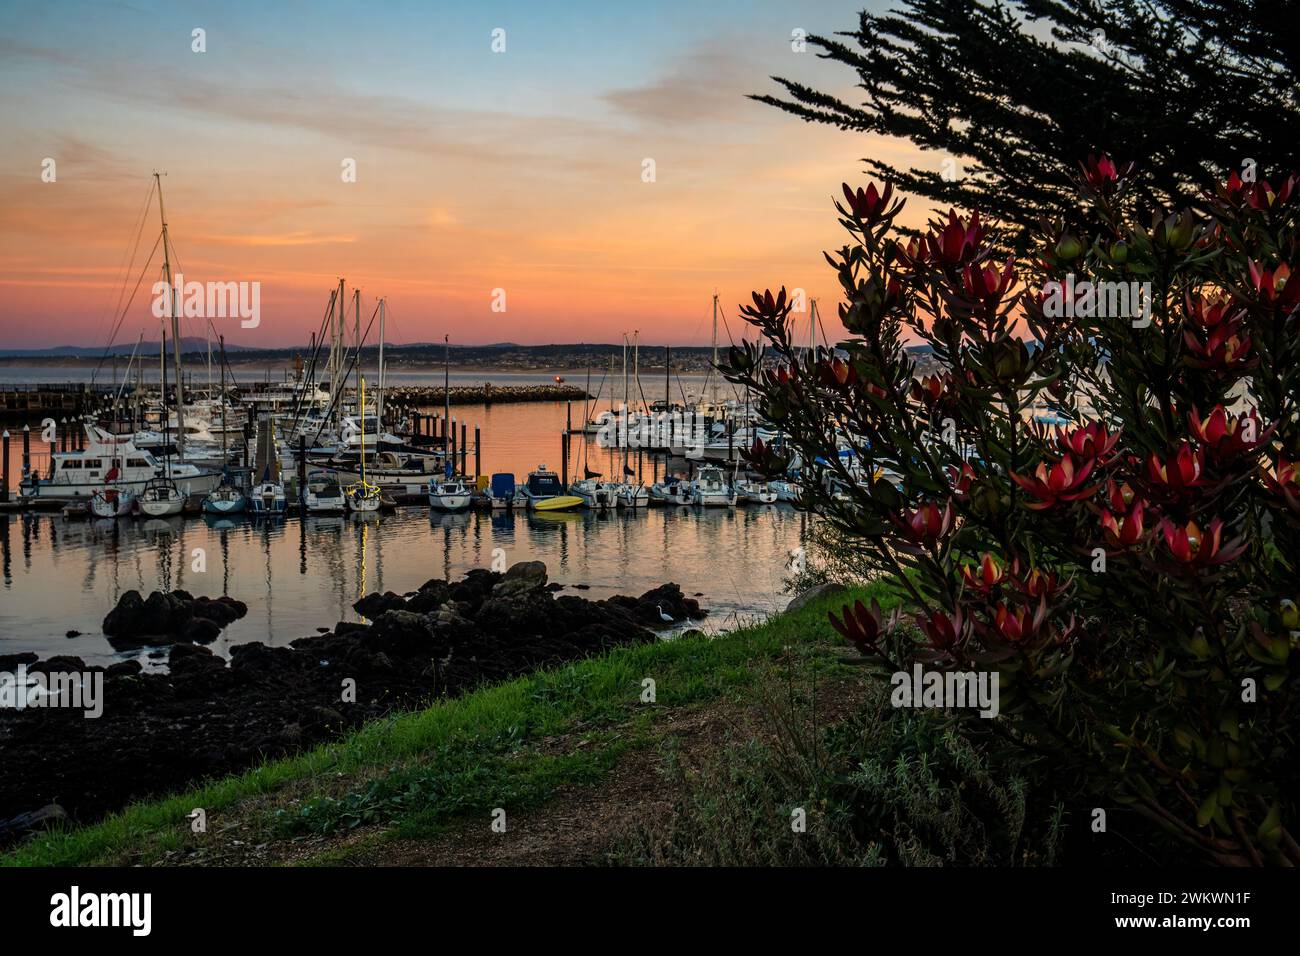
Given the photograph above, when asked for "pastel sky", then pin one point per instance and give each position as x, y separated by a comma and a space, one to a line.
476, 170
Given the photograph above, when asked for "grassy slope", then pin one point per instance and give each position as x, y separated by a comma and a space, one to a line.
415, 771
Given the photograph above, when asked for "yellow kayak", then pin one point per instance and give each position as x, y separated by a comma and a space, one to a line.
558, 503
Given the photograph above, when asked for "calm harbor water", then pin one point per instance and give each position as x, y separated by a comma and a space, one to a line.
59, 575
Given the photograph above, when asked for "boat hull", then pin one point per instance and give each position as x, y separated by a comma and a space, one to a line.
555, 503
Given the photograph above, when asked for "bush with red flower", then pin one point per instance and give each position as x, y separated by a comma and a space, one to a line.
1100, 502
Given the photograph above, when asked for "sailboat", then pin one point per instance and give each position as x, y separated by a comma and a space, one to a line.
362, 496
451, 494
267, 498
160, 497
225, 499
112, 501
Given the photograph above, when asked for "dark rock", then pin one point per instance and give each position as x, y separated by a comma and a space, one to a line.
523, 576
123, 669
814, 593
73, 633
169, 617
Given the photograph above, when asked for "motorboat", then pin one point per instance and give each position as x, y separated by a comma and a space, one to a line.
81, 474
671, 491
755, 492
324, 495
543, 491
710, 489
502, 491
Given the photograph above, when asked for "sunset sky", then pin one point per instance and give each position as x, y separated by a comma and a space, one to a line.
475, 170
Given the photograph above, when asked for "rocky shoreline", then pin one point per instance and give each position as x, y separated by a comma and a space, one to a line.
207, 716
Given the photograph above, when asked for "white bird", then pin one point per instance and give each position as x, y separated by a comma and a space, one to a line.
662, 616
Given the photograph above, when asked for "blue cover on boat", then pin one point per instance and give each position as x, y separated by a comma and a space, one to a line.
503, 485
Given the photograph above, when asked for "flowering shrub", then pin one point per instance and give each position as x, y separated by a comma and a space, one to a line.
1096, 491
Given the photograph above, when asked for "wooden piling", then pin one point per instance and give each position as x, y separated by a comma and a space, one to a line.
464, 449
478, 458
564, 460
27, 450
4, 467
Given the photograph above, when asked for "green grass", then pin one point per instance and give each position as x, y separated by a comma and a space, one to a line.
414, 771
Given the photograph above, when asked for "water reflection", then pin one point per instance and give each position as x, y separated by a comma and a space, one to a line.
298, 575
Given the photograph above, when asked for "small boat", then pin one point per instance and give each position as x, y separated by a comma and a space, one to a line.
595, 494
710, 488
450, 494
502, 491
788, 491
362, 496
324, 495
755, 492
268, 498
112, 502
544, 492
161, 498
631, 496
670, 491
225, 499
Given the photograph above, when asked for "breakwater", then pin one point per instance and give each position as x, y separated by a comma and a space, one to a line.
485, 394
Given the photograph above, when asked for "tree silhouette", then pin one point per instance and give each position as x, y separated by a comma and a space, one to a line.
1014, 95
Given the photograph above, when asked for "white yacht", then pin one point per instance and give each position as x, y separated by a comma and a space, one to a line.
80, 474
710, 489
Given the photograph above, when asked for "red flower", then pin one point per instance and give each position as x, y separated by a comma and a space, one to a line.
1123, 532
870, 205
1051, 484
1259, 195
961, 479
989, 574
927, 523
1191, 547
837, 372
944, 632
1285, 481
1276, 287
1227, 436
1102, 176
1221, 343
1041, 585
1181, 471
1088, 443
986, 282
1015, 625
861, 627
958, 242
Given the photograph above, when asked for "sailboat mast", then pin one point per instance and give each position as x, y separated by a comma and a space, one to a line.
173, 295
357, 325
446, 404
379, 402
222, 397
713, 385
336, 383
361, 390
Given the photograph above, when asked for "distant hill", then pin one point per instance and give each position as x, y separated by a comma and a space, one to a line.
188, 344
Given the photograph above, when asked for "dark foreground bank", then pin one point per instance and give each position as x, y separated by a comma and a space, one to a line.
208, 716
